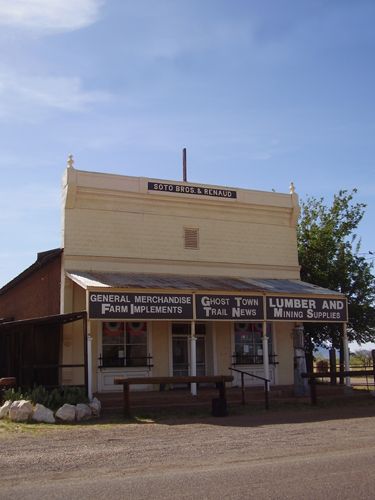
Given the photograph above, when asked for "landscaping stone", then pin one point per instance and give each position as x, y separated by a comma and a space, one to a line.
67, 413
4, 410
96, 407
43, 414
20, 411
83, 412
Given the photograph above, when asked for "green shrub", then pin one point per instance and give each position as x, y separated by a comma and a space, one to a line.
39, 394
14, 395
74, 395
51, 399
55, 399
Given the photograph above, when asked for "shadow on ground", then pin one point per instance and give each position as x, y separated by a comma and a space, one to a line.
254, 414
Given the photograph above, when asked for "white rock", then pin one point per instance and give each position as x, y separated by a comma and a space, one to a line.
67, 413
43, 414
96, 407
20, 411
82, 412
4, 410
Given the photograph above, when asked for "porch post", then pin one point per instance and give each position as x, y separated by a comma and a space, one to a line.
193, 358
266, 364
346, 353
89, 361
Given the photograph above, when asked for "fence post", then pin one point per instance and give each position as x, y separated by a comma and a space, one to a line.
332, 365
313, 391
373, 364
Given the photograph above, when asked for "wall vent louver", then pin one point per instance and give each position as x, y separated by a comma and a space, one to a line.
191, 238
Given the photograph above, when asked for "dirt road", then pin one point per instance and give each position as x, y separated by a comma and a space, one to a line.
310, 454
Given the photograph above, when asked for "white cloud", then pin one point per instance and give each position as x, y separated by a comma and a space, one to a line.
22, 94
49, 16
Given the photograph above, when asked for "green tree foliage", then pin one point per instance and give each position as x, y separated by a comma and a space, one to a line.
328, 248
362, 357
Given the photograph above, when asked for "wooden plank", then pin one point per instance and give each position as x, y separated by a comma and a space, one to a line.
173, 380
350, 373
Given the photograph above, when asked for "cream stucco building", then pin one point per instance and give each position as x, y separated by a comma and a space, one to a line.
181, 278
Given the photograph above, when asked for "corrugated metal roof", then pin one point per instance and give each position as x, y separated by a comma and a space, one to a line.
92, 279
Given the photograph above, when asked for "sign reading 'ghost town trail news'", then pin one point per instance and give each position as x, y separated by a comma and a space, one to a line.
302, 309
229, 307
113, 305
195, 190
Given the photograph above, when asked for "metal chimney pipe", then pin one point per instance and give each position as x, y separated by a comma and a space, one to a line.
184, 165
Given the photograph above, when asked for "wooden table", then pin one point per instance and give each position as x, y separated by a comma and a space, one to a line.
219, 380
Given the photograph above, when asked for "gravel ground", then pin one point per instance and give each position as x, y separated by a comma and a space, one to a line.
276, 454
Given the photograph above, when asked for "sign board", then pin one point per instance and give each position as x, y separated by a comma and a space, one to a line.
229, 307
156, 306
318, 310
194, 190
169, 306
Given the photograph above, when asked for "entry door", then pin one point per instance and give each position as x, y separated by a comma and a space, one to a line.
182, 355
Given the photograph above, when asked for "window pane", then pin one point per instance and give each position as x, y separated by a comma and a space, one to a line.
113, 332
136, 333
113, 355
249, 343
136, 355
200, 329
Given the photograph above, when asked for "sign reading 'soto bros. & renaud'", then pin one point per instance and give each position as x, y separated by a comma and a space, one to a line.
167, 187
169, 306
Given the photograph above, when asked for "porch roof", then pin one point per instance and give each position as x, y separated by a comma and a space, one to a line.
97, 279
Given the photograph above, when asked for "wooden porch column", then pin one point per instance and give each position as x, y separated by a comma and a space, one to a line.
266, 363
193, 358
89, 361
86, 376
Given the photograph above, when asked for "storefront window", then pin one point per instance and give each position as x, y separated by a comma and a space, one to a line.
249, 344
124, 344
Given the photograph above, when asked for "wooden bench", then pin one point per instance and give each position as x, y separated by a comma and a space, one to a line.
219, 380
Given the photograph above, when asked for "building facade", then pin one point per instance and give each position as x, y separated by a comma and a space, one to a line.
30, 351
180, 278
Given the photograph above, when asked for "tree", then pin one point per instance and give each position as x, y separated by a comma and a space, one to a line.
362, 357
328, 249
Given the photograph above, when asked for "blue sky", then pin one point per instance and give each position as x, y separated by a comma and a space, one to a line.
260, 92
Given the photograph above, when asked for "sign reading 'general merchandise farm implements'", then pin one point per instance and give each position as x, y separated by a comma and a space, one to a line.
306, 309
194, 190
113, 305
229, 307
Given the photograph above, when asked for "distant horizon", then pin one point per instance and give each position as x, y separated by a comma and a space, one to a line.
353, 347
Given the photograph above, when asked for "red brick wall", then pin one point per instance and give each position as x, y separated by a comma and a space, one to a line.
38, 294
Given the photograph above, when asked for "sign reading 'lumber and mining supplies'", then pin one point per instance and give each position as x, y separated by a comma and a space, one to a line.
302, 309
229, 307
194, 190
140, 306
